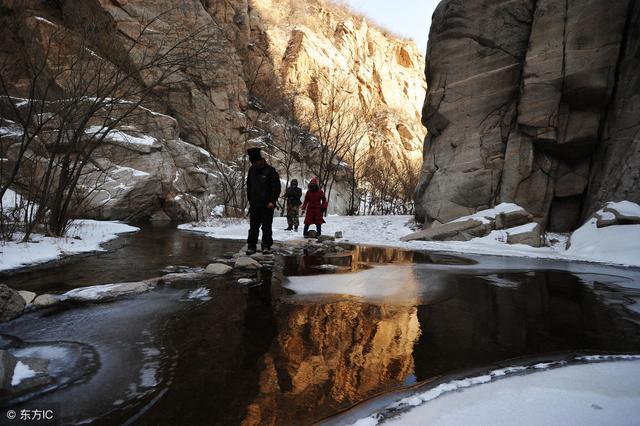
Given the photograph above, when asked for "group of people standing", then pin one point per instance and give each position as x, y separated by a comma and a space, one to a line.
263, 192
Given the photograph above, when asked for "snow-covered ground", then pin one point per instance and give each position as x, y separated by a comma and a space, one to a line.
595, 393
618, 245
84, 236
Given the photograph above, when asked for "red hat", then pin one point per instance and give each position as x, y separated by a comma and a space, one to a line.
313, 180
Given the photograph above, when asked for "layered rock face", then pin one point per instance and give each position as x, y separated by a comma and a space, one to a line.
329, 45
531, 102
256, 51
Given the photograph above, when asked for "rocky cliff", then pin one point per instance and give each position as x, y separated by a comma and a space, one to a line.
256, 52
531, 102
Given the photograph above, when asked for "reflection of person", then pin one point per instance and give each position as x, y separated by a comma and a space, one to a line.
315, 205
263, 191
293, 195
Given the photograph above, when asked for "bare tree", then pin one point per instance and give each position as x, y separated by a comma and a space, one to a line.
338, 122
76, 100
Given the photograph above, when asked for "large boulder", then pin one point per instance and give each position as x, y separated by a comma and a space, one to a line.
529, 234
527, 104
11, 303
511, 219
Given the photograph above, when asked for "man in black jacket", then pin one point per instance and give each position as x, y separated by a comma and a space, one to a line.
263, 191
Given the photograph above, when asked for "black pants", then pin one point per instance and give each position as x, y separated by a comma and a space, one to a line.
260, 217
318, 227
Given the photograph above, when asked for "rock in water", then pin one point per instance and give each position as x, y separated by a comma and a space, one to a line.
45, 300
518, 93
11, 303
247, 263
99, 293
218, 269
28, 296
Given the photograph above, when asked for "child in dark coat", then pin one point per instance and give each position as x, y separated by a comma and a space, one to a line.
315, 204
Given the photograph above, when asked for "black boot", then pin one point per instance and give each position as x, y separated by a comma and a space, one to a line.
266, 250
288, 229
250, 251
296, 229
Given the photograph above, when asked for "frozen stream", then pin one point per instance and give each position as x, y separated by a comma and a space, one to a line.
313, 341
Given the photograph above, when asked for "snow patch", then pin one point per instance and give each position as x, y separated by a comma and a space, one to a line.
583, 394
625, 208
201, 293
90, 235
46, 21
119, 136
21, 372
614, 244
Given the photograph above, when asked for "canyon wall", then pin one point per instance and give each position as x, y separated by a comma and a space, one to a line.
194, 129
531, 102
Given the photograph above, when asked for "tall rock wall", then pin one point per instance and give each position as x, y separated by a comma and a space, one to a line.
531, 102
257, 50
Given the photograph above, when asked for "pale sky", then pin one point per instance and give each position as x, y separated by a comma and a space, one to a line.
408, 18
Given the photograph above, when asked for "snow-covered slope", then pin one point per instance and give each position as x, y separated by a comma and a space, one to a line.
618, 244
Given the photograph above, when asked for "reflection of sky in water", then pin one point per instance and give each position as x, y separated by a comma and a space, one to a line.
426, 283
404, 284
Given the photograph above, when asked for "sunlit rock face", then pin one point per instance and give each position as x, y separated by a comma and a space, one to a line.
328, 357
255, 50
384, 73
531, 102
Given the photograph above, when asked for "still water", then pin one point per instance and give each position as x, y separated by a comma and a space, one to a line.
306, 344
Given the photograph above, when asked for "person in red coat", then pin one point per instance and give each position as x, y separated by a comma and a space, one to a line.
315, 204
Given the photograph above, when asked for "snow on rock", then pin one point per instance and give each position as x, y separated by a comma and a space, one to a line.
11, 132
522, 229
487, 216
84, 236
118, 136
201, 293
623, 209
614, 244
108, 291
21, 372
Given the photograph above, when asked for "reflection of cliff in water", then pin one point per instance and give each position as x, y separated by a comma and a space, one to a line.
265, 356
329, 357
